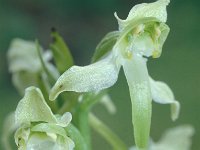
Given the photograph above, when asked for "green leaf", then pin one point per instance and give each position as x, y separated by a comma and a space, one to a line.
105, 45
61, 53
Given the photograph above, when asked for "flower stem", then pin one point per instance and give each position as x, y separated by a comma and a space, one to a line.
105, 132
76, 136
81, 122
52, 80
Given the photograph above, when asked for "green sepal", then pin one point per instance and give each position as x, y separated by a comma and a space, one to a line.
61, 53
105, 45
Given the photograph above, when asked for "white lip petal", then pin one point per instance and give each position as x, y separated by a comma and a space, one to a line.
162, 94
94, 77
43, 142
137, 77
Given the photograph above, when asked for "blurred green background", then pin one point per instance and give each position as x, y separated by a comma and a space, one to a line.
83, 23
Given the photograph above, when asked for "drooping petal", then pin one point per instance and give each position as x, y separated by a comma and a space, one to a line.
94, 77
178, 138
145, 10
161, 93
33, 108
138, 81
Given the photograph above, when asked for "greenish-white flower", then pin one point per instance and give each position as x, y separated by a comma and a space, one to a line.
39, 128
25, 65
141, 35
178, 138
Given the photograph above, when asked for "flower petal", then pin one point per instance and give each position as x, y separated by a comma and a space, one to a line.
94, 77
21, 136
33, 107
49, 128
145, 10
161, 93
40, 141
64, 120
137, 77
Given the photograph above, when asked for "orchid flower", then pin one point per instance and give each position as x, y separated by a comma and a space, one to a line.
25, 65
169, 139
38, 127
140, 36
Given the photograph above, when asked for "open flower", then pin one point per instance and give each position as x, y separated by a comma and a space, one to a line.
38, 128
141, 35
25, 65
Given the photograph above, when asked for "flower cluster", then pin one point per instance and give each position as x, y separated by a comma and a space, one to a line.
43, 117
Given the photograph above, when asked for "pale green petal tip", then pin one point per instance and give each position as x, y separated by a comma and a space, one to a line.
65, 119
55, 91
